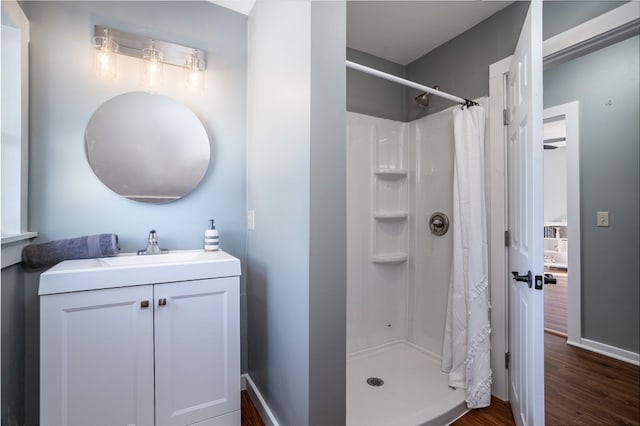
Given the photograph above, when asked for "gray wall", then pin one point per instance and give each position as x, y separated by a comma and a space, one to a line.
31, 344
461, 65
65, 198
328, 217
13, 345
371, 95
296, 185
609, 181
560, 16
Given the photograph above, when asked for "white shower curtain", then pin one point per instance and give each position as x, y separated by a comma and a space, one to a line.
465, 354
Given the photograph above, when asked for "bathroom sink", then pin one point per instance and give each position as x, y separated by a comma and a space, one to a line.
132, 259
129, 269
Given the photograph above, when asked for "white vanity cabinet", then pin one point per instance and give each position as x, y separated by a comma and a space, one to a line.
96, 358
160, 353
197, 351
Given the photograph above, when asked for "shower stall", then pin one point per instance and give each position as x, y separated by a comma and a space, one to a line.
399, 176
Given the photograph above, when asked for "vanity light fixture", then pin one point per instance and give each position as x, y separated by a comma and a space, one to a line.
155, 54
104, 61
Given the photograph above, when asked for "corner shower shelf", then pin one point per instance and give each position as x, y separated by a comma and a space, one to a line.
388, 216
391, 173
390, 258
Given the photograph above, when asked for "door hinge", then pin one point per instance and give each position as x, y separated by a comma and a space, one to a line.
507, 360
505, 117
507, 238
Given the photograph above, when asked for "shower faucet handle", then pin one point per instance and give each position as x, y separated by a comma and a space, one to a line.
439, 224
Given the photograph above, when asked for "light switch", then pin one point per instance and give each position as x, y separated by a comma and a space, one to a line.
603, 218
251, 220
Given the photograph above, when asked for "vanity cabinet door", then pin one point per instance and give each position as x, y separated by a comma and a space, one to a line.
197, 344
96, 366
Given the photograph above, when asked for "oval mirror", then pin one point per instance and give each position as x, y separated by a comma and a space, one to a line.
147, 147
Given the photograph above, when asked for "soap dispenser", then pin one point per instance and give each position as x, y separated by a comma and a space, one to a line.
211, 237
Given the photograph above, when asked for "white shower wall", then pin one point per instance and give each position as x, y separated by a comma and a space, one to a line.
398, 174
430, 262
376, 292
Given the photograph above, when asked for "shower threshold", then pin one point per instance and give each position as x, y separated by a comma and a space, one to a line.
415, 391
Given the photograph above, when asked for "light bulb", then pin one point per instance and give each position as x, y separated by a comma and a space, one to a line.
153, 67
195, 75
104, 63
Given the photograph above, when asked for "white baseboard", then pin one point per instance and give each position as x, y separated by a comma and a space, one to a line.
243, 381
259, 402
607, 350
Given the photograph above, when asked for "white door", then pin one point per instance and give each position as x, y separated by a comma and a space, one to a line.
525, 164
197, 343
97, 363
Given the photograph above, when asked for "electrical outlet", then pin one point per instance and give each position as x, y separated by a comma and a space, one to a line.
251, 220
602, 218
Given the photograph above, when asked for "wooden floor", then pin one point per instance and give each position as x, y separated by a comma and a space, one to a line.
250, 416
581, 388
555, 302
499, 413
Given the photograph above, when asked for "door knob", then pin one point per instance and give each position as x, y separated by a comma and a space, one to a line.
162, 301
523, 278
550, 279
144, 304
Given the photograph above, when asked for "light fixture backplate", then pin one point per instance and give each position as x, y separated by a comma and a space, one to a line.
132, 45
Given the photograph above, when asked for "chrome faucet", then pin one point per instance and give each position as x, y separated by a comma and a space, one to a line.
152, 246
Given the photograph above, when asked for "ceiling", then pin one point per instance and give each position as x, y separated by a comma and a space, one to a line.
242, 6
403, 31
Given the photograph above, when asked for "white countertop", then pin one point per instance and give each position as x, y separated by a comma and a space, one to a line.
128, 269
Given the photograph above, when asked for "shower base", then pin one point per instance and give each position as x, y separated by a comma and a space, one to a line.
415, 391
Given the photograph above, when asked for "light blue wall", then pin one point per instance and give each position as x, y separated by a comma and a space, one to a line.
606, 84
279, 72
296, 185
65, 198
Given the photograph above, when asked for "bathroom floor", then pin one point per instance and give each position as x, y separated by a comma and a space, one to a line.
414, 389
249, 414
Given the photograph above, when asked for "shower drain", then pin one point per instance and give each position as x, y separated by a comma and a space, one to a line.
375, 381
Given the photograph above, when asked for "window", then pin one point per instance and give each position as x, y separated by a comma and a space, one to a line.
14, 143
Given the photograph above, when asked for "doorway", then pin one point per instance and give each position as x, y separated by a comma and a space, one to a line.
562, 220
555, 225
558, 49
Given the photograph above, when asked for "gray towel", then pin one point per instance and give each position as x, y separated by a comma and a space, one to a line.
37, 256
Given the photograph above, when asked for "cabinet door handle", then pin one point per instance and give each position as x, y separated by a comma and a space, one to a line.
144, 304
162, 301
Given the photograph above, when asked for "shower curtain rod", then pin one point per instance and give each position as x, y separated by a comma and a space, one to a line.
409, 83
